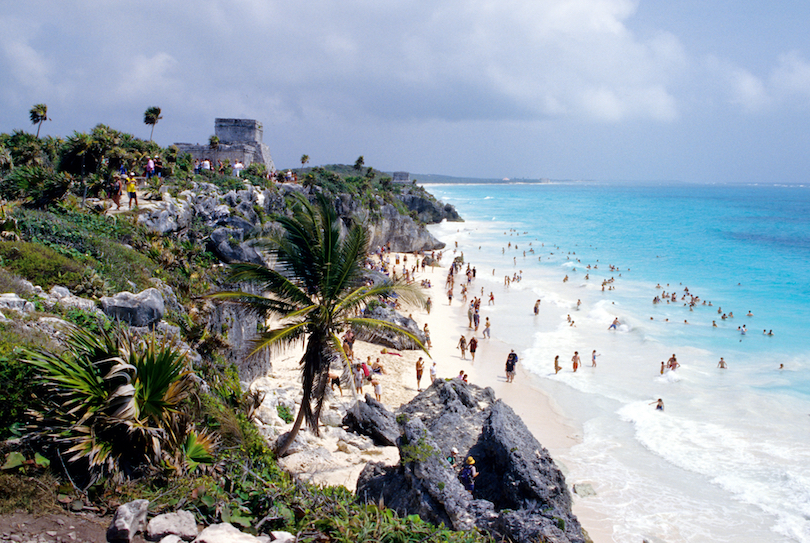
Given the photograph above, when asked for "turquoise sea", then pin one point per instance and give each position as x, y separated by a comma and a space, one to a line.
729, 458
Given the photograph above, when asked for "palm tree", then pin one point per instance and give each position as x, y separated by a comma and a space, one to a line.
39, 114
316, 289
304, 160
151, 116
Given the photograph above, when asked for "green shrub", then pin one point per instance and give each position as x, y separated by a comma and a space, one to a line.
37, 186
39, 264
284, 413
17, 383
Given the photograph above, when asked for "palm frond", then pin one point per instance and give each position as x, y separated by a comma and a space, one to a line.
373, 325
280, 338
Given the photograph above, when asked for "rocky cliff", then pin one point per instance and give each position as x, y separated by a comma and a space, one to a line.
235, 215
520, 494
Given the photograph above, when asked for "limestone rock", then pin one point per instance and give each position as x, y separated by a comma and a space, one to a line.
520, 494
12, 302
142, 309
372, 419
387, 338
181, 524
227, 533
128, 521
228, 245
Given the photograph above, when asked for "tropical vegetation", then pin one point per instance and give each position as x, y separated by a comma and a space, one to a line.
93, 413
317, 289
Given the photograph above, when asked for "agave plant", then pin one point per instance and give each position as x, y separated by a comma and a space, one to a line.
109, 400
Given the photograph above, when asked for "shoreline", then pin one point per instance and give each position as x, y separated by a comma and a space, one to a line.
447, 323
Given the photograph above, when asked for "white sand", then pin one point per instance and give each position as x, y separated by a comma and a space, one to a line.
447, 323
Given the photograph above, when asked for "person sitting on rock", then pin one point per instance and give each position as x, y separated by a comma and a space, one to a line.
468, 475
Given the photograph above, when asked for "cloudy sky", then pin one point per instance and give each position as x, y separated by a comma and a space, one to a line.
569, 89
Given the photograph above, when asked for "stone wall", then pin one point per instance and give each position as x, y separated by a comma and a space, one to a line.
238, 130
239, 139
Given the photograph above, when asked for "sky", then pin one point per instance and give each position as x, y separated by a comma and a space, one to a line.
690, 90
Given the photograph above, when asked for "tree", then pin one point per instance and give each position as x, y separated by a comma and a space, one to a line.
304, 160
359, 163
151, 117
213, 142
39, 114
315, 289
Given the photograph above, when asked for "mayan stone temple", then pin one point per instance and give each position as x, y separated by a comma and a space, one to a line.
239, 140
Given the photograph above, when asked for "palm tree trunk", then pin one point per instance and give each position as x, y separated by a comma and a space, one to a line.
152, 133
299, 419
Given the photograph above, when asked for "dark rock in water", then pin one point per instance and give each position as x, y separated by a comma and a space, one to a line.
388, 338
520, 494
372, 419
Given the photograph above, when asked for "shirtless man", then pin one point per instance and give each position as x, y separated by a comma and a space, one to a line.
575, 360
721, 364
672, 363
615, 324
420, 367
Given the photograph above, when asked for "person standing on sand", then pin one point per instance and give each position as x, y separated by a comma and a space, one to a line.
420, 367
427, 337
462, 344
428, 305
358, 378
511, 362
537, 307
473, 347
557, 367
486, 328
433, 372
593, 358
575, 360
377, 390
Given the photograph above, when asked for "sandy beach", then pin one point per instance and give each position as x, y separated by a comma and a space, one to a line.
447, 323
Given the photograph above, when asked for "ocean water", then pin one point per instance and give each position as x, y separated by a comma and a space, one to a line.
729, 458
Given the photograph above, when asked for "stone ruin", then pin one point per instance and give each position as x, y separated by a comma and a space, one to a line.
239, 139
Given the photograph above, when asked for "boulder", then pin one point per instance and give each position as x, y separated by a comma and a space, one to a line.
520, 494
427, 209
401, 231
181, 524
372, 419
142, 309
388, 338
128, 520
227, 244
12, 302
227, 533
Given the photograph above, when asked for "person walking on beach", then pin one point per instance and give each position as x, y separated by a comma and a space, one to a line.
428, 305
486, 328
593, 358
462, 344
575, 361
511, 362
473, 347
557, 367
537, 307
427, 337
420, 367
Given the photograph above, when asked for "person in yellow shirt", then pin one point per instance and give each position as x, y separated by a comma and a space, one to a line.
131, 191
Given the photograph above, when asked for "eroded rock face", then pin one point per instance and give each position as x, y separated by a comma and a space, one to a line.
142, 309
429, 211
387, 338
372, 419
520, 494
